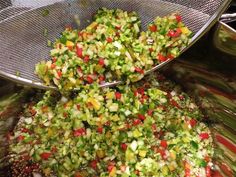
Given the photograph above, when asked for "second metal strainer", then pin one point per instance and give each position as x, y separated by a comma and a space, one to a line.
23, 43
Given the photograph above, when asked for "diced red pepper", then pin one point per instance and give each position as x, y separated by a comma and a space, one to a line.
59, 73
204, 136
150, 112
169, 56
118, 95
161, 57
192, 122
118, 27
141, 90
139, 70
20, 138
174, 103
93, 164
79, 51
174, 33
136, 172
117, 34
101, 78
153, 28
89, 79
78, 106
162, 153
109, 40
187, 170
53, 66
54, 59
163, 144
54, 149
122, 168
86, 58
101, 62
65, 114
100, 130
77, 175
45, 155
178, 18
150, 50
79, 132
68, 27
25, 130
123, 146
110, 166
137, 122
141, 117
208, 171
154, 127
135, 93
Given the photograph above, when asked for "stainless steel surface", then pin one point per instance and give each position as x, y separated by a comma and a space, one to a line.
23, 43
224, 37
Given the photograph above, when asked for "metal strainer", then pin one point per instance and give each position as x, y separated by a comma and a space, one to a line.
23, 43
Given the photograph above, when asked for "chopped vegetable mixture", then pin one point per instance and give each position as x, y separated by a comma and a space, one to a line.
112, 47
149, 128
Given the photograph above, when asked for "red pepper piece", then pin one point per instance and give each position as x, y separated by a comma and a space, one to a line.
139, 70
101, 78
154, 127
137, 122
20, 138
45, 155
161, 57
118, 27
122, 168
101, 62
86, 58
54, 59
53, 66
78, 106
54, 149
208, 171
89, 79
141, 117
174, 33
141, 90
150, 50
59, 73
178, 18
135, 93
79, 132
93, 164
162, 153
192, 122
118, 95
187, 170
163, 144
123, 146
153, 28
174, 103
111, 165
79, 51
100, 130
204, 136
150, 112
109, 40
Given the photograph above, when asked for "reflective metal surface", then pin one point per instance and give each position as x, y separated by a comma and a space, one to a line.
225, 36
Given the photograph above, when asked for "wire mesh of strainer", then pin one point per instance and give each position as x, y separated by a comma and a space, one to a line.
23, 43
